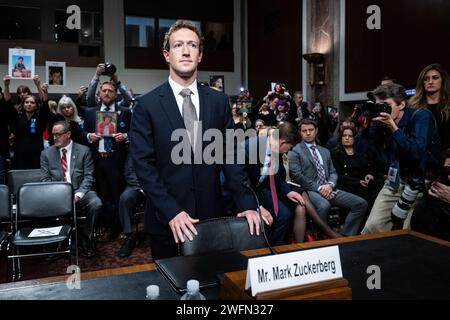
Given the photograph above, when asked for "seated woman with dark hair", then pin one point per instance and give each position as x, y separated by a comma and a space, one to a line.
356, 173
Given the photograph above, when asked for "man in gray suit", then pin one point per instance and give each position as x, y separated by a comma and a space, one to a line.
72, 162
311, 166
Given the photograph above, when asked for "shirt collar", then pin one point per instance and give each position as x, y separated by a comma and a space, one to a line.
309, 145
112, 108
68, 147
176, 88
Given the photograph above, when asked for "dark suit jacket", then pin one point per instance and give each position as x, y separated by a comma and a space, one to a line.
257, 146
303, 170
175, 188
123, 126
81, 167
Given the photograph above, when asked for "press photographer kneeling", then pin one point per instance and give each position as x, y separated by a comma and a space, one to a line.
410, 139
432, 213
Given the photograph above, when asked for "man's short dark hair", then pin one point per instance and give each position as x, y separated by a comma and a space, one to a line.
305, 122
183, 24
109, 83
392, 90
289, 133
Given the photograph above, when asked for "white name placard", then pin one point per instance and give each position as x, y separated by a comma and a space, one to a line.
293, 269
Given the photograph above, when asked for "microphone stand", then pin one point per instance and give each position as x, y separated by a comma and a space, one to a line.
246, 184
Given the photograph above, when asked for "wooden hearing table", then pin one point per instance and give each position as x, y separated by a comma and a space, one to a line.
411, 265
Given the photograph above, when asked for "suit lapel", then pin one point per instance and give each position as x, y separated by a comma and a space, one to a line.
308, 154
73, 159
205, 108
170, 107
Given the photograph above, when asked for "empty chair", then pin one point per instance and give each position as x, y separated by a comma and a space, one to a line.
17, 178
5, 213
222, 234
45, 204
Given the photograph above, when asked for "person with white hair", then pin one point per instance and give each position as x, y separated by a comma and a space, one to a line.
67, 111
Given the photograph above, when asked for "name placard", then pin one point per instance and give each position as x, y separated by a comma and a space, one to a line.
293, 269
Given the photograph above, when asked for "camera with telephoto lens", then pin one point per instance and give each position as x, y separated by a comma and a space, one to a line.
110, 69
371, 109
400, 211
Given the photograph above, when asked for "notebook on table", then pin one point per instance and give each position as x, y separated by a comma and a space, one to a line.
206, 268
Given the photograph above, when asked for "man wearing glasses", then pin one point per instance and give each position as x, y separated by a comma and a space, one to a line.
72, 162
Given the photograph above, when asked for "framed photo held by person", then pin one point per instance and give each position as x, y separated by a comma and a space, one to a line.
106, 124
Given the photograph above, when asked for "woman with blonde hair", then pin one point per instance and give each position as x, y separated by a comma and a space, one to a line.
433, 93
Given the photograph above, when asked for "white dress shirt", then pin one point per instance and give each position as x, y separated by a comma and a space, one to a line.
176, 88
68, 156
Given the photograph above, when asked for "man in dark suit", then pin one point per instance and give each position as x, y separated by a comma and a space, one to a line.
182, 194
295, 201
109, 154
311, 166
268, 178
72, 162
299, 109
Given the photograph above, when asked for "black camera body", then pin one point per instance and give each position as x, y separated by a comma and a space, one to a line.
110, 69
372, 110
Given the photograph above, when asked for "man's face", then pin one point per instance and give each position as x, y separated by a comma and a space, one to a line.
56, 78
308, 133
67, 111
107, 120
298, 98
108, 94
184, 54
61, 138
432, 81
396, 108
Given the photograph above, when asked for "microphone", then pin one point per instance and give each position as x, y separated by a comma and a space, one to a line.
246, 184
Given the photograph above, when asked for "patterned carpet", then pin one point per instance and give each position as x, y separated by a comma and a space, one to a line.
106, 258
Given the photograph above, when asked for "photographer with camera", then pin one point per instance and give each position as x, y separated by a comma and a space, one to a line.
409, 137
109, 70
432, 213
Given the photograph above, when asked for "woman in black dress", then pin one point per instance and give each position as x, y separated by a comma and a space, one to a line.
356, 173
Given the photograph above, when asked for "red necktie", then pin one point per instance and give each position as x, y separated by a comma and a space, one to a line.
273, 189
64, 163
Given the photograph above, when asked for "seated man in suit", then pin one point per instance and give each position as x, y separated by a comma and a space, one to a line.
72, 162
268, 178
310, 166
291, 201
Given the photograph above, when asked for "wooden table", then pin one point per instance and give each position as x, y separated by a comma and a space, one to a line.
132, 281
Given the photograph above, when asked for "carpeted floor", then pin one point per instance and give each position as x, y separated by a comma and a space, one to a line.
106, 258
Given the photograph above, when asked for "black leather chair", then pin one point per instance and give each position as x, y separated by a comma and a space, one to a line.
44, 204
222, 234
5, 215
17, 178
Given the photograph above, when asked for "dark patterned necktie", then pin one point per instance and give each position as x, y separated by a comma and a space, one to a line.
319, 166
64, 162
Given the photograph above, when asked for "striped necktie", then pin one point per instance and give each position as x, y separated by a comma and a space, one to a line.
64, 163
